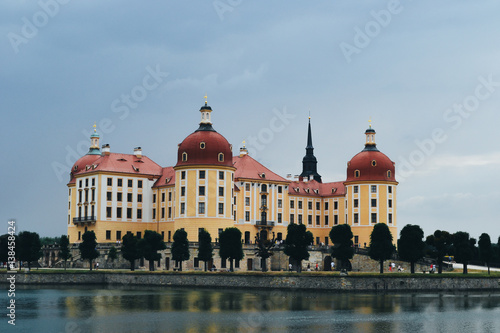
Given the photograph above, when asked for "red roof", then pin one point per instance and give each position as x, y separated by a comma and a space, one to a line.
167, 177
114, 162
204, 147
315, 189
248, 168
372, 165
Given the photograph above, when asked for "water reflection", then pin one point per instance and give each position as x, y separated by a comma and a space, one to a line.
202, 310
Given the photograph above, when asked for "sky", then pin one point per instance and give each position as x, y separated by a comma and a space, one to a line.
425, 72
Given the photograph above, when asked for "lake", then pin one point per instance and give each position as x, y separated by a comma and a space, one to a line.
155, 309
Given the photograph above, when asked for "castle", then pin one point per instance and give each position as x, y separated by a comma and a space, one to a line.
210, 187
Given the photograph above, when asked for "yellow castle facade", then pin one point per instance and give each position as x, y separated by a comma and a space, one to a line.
210, 187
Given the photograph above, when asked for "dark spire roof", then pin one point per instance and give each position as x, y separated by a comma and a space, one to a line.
309, 162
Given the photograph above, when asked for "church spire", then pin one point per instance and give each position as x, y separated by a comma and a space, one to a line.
309, 162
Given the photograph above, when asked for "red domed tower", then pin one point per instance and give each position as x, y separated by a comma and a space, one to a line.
204, 176
370, 191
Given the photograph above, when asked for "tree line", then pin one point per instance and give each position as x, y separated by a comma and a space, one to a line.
411, 247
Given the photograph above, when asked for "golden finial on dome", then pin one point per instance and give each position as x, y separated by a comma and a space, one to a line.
95, 130
370, 122
244, 143
205, 99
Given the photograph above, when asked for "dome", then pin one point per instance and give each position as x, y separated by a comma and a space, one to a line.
370, 165
82, 162
205, 147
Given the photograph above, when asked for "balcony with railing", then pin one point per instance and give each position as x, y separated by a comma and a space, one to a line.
268, 224
84, 219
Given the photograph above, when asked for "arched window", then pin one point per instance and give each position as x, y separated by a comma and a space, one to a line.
202, 145
374, 163
389, 173
184, 157
264, 188
221, 157
356, 173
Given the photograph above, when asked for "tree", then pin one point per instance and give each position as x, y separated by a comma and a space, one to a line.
4, 246
150, 245
28, 247
230, 246
130, 249
264, 247
113, 255
50, 240
441, 244
381, 247
411, 245
341, 236
464, 248
64, 252
205, 249
485, 249
296, 243
88, 246
180, 247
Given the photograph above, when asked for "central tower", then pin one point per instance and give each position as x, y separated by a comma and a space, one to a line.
204, 183
309, 162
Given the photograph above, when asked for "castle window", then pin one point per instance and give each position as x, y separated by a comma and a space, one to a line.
247, 201
264, 188
139, 183
139, 213
129, 197
374, 202
221, 175
129, 213
129, 183
183, 208
374, 217
356, 189
317, 220
163, 197
390, 218
120, 182
356, 218
335, 205
139, 197
201, 190
374, 163
390, 203
202, 145
374, 188
247, 216
318, 207
389, 174
280, 203
201, 208
300, 204
202, 174
169, 212
108, 212
292, 218
221, 191
280, 189
119, 196
389, 189
184, 157
279, 218
221, 208
183, 191
326, 205
163, 212
154, 213
300, 218
119, 212
309, 205
309, 219
110, 182
292, 204
183, 174
326, 219
356, 173
247, 187
356, 203
221, 157
335, 219
109, 196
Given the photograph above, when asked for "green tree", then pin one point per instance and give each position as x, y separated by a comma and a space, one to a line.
113, 255
441, 243
205, 249
411, 245
296, 243
28, 247
64, 252
4, 246
264, 247
342, 249
150, 245
180, 247
88, 246
50, 240
464, 248
230, 246
130, 249
485, 249
381, 247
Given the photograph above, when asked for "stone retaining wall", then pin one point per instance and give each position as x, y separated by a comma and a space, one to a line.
261, 281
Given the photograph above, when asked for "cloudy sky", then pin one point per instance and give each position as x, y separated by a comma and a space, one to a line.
426, 72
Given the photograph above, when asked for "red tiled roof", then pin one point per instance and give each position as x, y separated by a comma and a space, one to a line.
248, 168
204, 147
115, 162
314, 189
167, 177
372, 165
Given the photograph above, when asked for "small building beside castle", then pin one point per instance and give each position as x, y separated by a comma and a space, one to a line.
211, 187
